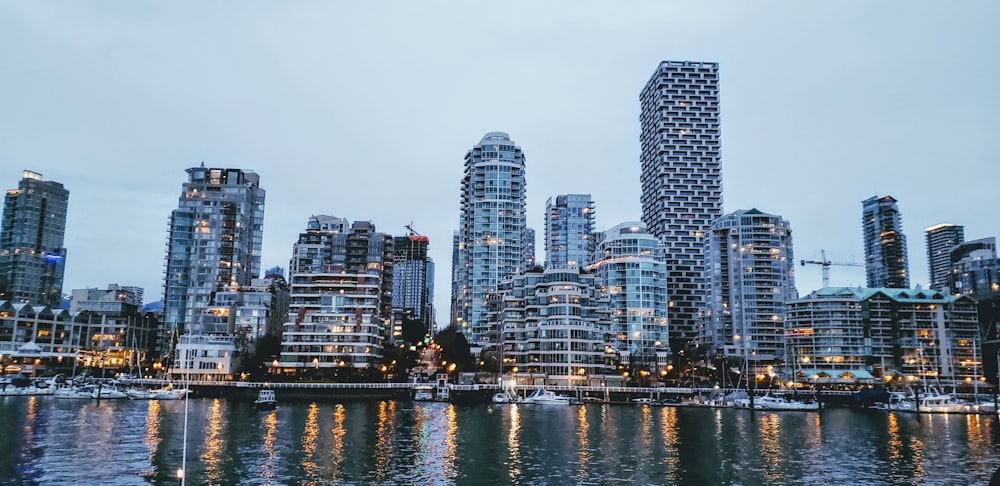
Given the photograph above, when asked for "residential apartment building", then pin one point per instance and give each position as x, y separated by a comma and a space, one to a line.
682, 179
750, 277
113, 330
975, 269
341, 298
859, 333
629, 266
941, 238
32, 256
886, 263
554, 326
569, 230
213, 246
490, 244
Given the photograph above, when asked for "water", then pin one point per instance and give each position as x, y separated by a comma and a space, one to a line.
50, 441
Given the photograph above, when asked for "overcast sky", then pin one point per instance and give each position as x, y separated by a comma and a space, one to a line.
365, 110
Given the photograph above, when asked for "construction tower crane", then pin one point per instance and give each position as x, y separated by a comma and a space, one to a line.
826, 266
414, 235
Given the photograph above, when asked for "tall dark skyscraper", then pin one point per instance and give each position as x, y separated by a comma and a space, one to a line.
32, 257
886, 262
941, 239
682, 179
411, 286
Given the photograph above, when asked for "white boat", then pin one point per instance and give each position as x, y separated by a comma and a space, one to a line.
423, 393
932, 401
105, 392
775, 402
137, 393
73, 392
266, 400
546, 397
168, 393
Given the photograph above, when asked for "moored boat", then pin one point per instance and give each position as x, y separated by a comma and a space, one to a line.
546, 397
775, 403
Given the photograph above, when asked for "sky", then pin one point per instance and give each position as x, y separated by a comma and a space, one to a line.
365, 110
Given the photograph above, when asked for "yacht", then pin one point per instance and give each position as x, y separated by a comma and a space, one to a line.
776, 402
546, 397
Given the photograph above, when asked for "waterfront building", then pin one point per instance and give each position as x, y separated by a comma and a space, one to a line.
840, 333
341, 280
492, 232
886, 262
213, 246
569, 230
629, 265
241, 317
750, 277
682, 179
941, 238
412, 288
554, 324
113, 331
975, 269
36, 339
32, 256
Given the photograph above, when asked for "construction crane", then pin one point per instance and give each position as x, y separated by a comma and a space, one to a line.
414, 235
826, 266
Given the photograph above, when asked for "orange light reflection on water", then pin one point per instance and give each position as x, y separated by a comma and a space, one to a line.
214, 443
770, 446
514, 443
668, 432
582, 429
337, 451
310, 434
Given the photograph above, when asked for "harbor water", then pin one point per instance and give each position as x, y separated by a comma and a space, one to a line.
45, 440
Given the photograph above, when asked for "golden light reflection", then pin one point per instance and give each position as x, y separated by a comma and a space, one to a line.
309, 435
337, 451
152, 440
671, 456
582, 430
212, 457
895, 444
770, 447
514, 444
270, 438
383, 442
451, 445
979, 434
29, 420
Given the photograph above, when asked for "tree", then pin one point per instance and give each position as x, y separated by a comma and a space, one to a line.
455, 348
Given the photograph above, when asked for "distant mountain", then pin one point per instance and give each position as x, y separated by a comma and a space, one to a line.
153, 307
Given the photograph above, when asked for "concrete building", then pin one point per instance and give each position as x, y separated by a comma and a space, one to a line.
569, 230
492, 232
341, 298
941, 238
629, 266
750, 278
113, 331
412, 288
32, 256
886, 263
36, 339
213, 246
682, 179
554, 326
839, 333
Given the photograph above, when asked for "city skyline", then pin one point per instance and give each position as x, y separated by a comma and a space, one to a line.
115, 101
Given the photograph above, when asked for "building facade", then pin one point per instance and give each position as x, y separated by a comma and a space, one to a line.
886, 263
554, 326
32, 256
975, 269
629, 265
750, 277
492, 231
569, 230
213, 246
341, 298
941, 238
840, 333
682, 179
412, 288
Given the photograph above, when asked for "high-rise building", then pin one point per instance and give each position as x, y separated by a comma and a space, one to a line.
213, 245
682, 179
749, 280
411, 287
886, 263
941, 239
569, 230
492, 231
528, 253
341, 297
32, 257
975, 269
629, 265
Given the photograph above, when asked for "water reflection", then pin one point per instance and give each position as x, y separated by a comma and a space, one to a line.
270, 430
514, 443
770, 446
583, 428
309, 435
337, 450
668, 432
211, 457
